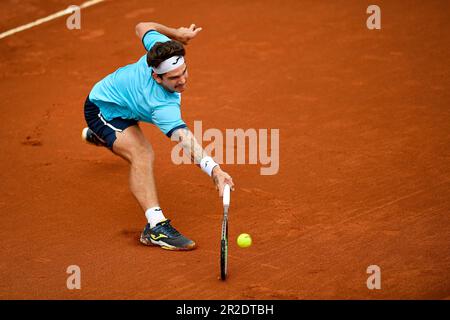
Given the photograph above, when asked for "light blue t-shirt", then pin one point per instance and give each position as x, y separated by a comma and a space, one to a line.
131, 93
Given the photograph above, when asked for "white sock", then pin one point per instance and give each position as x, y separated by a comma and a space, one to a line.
154, 216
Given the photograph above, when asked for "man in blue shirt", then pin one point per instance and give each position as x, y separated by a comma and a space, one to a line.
150, 91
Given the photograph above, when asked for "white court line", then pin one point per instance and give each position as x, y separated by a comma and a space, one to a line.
48, 18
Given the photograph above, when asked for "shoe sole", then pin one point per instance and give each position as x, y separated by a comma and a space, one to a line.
166, 246
84, 135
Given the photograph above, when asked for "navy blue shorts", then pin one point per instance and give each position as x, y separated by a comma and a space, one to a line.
105, 130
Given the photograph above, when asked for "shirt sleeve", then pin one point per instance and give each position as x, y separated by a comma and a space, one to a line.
168, 118
151, 37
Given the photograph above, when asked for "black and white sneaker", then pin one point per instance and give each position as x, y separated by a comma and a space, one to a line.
90, 137
166, 236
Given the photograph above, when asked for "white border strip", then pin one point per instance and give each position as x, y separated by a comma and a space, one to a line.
58, 14
108, 124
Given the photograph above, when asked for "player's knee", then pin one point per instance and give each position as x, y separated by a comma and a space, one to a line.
143, 155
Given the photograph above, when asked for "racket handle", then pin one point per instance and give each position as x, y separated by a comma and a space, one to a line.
226, 195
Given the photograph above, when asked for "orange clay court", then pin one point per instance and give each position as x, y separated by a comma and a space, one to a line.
364, 179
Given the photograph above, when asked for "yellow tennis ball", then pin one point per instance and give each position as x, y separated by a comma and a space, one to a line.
244, 240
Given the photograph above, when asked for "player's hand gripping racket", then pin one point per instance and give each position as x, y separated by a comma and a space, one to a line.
224, 240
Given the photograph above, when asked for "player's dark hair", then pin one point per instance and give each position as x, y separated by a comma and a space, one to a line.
164, 50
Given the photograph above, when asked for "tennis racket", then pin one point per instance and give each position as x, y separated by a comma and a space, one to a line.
224, 240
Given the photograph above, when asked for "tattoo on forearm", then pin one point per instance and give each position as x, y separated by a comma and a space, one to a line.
190, 145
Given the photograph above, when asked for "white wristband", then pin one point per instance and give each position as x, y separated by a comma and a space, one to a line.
207, 164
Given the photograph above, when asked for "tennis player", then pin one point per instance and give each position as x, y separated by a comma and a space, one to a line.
149, 91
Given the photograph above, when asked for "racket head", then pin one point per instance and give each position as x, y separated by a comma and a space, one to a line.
224, 240
224, 250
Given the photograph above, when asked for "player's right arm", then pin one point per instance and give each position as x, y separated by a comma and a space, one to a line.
195, 150
182, 34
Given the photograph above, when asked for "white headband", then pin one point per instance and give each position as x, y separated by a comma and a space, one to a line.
168, 65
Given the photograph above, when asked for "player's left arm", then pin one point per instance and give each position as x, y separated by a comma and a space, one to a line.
182, 34
196, 152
